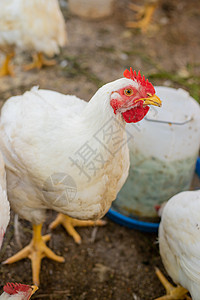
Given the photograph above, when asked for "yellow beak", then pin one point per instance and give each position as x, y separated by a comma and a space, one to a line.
152, 100
34, 289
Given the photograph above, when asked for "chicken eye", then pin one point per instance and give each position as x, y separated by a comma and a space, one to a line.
128, 92
149, 94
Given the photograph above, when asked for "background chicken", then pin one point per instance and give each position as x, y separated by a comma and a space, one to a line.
4, 204
144, 14
54, 143
18, 291
180, 245
36, 25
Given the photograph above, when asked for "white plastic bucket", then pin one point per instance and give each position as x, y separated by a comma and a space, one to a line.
163, 153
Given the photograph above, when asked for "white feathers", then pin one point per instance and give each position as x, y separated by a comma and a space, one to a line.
4, 204
47, 137
179, 239
18, 296
32, 25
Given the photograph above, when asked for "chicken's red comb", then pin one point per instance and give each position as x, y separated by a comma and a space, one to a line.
13, 288
140, 79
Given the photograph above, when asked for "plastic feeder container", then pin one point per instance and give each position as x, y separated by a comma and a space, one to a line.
134, 223
163, 153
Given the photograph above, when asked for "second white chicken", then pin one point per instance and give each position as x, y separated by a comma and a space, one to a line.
179, 241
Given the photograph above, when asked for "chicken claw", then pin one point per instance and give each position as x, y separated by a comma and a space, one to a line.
144, 14
6, 68
173, 293
35, 251
69, 224
39, 61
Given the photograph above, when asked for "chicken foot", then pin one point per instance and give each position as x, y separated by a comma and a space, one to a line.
144, 14
172, 293
69, 224
35, 251
39, 61
6, 68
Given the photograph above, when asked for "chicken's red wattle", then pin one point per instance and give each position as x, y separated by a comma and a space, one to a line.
136, 114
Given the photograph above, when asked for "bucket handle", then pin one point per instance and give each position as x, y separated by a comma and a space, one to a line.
168, 122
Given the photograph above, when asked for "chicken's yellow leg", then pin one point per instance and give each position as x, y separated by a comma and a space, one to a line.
39, 61
6, 68
172, 293
35, 251
69, 224
145, 14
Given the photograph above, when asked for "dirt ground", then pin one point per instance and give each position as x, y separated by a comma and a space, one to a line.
118, 263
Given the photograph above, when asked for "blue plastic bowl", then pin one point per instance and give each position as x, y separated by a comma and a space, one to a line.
136, 224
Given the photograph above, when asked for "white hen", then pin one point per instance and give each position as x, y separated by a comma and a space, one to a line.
4, 204
65, 154
179, 241
34, 25
18, 291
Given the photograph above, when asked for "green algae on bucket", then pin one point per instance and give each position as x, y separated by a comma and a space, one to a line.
152, 181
